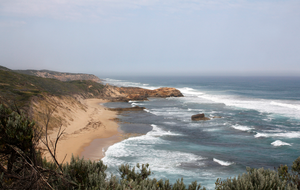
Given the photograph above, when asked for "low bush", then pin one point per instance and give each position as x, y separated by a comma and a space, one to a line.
21, 167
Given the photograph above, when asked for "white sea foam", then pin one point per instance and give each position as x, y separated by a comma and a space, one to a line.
195, 110
211, 129
186, 91
223, 163
242, 128
133, 104
142, 149
286, 109
292, 106
173, 112
146, 110
274, 131
156, 131
129, 84
293, 134
111, 80
170, 123
280, 143
132, 101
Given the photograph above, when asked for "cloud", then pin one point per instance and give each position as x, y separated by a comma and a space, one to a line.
110, 9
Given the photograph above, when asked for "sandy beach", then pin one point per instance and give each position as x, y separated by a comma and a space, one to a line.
94, 123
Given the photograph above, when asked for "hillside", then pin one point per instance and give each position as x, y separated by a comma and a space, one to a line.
21, 87
62, 76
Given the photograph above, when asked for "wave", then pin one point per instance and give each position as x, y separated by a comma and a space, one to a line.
223, 163
134, 104
147, 149
261, 105
280, 143
130, 84
195, 110
133, 101
291, 135
242, 128
170, 123
292, 106
186, 91
173, 112
286, 108
112, 80
156, 131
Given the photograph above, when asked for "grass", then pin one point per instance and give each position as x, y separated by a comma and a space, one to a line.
21, 87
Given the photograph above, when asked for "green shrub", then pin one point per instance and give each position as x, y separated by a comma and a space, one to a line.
293, 176
255, 179
21, 167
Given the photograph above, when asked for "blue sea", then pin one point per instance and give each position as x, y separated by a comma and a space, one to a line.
259, 126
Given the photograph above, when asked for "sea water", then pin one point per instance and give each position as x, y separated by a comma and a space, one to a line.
255, 122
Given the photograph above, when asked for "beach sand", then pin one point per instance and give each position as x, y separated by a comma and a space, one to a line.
94, 123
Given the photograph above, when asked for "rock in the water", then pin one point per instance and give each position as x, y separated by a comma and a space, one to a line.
136, 108
198, 117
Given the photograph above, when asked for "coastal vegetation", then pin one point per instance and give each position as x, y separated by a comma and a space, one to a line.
20, 88
59, 75
22, 165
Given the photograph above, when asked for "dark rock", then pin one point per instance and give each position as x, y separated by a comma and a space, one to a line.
136, 108
199, 117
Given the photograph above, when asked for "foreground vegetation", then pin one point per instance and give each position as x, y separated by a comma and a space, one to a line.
22, 167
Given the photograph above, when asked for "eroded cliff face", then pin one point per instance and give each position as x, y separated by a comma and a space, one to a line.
134, 93
60, 110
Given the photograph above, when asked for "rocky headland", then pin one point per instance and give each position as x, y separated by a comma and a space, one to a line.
126, 94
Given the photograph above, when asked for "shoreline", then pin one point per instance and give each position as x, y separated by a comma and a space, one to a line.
96, 149
95, 122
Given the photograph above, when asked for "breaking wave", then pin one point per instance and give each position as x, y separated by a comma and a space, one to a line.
223, 163
280, 143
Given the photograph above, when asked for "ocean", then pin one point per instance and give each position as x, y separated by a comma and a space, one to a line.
255, 122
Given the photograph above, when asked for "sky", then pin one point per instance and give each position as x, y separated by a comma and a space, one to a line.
152, 37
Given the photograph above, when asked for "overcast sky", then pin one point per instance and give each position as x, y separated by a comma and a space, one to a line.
163, 37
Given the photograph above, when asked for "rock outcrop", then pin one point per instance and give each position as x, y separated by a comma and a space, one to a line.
199, 117
136, 108
134, 93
